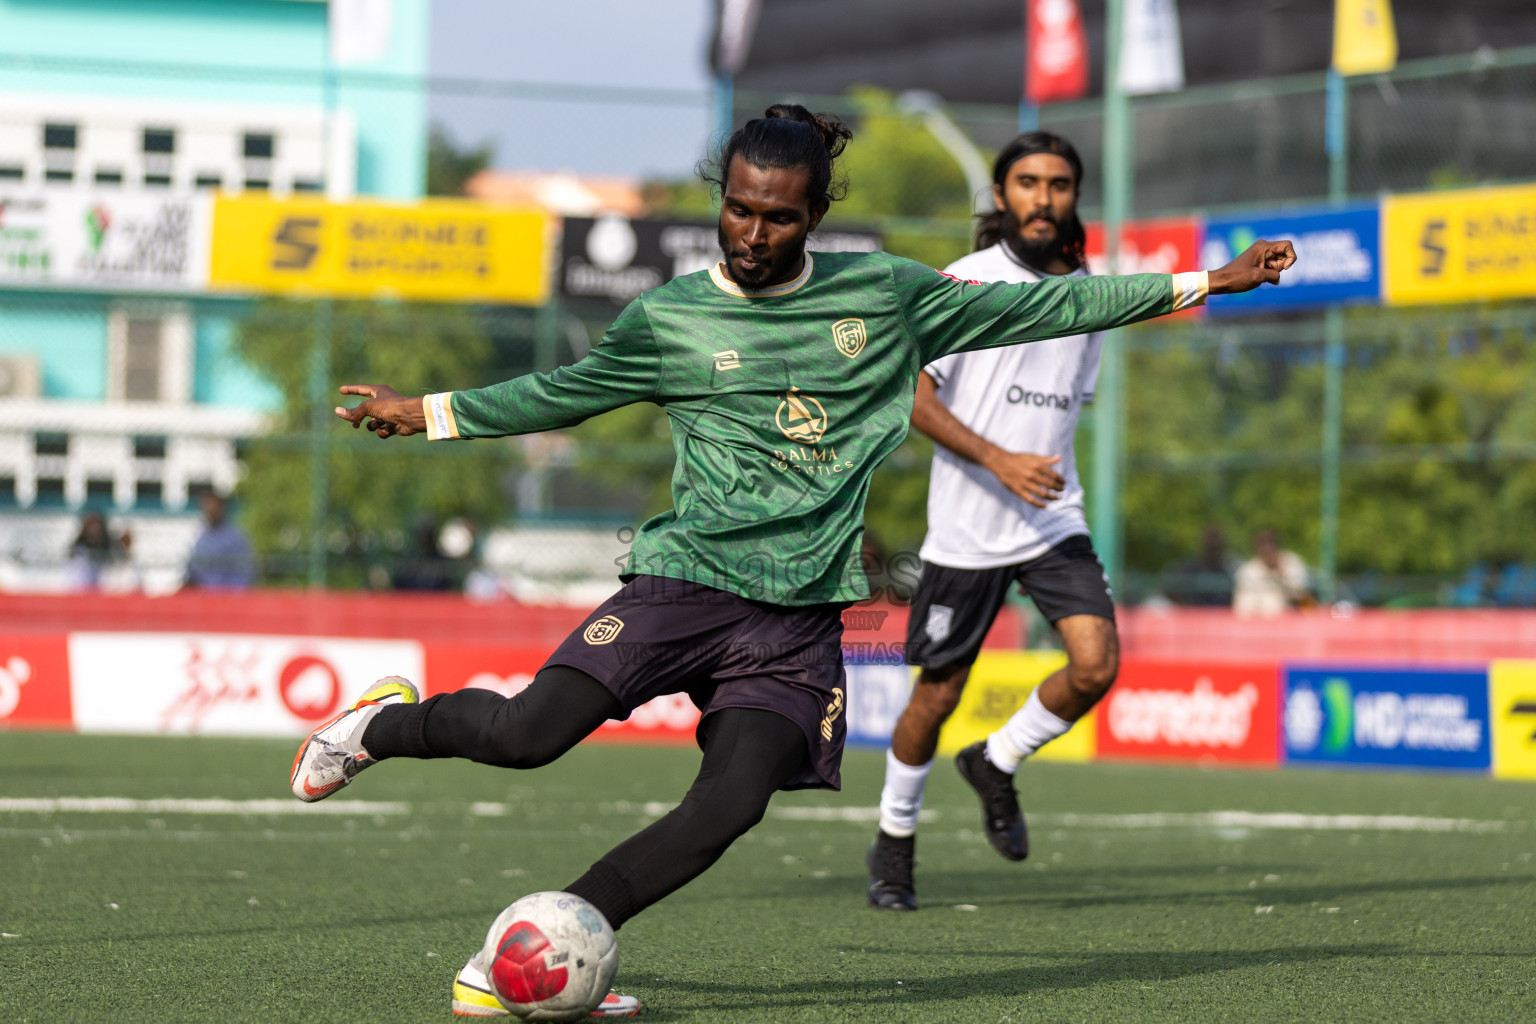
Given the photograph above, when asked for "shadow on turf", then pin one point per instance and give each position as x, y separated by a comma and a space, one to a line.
1062, 971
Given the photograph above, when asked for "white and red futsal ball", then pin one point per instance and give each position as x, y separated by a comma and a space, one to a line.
551, 956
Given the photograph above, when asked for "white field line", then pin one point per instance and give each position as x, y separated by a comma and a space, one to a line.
124, 805
1211, 819
1273, 820
857, 815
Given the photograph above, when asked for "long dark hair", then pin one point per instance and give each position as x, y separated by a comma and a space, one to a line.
992, 227
787, 135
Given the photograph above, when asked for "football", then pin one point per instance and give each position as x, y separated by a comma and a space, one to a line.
551, 956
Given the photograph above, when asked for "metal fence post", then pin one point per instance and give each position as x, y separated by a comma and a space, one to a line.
1337, 143
1109, 397
319, 441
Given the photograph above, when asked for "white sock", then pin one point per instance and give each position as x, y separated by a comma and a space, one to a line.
1030, 728
902, 796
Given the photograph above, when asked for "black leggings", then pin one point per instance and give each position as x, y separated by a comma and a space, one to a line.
749, 755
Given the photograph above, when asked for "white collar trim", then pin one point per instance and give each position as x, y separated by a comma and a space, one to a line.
724, 283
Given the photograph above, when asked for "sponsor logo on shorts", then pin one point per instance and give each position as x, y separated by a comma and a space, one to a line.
941, 618
727, 360
603, 631
800, 417
834, 708
849, 336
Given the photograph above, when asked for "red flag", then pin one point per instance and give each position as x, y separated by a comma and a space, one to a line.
1055, 52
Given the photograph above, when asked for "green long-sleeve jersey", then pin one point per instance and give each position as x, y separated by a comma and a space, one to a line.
783, 401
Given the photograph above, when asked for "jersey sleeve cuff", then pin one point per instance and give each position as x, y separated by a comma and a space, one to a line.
438, 409
1190, 289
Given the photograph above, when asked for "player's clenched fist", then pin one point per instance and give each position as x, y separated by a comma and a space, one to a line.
387, 411
1260, 263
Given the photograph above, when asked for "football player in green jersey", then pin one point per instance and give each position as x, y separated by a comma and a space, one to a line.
787, 377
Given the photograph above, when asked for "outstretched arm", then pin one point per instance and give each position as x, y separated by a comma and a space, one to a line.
624, 369
1031, 477
948, 315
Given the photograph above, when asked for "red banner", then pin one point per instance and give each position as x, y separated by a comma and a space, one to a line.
34, 682
506, 670
1192, 711
1055, 51
1150, 247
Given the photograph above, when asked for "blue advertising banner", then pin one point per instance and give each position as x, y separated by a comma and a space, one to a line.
1431, 718
877, 694
1338, 257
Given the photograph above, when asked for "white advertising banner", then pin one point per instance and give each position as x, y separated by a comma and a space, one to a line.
224, 684
81, 239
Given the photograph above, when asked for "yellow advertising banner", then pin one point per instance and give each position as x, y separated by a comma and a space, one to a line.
1512, 715
1460, 246
1000, 681
444, 250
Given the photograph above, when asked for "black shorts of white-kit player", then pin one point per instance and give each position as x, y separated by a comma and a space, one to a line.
659, 635
954, 608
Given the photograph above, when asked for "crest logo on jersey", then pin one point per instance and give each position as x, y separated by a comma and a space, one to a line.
727, 360
800, 417
849, 335
603, 630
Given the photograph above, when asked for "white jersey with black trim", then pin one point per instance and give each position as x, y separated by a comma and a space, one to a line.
1022, 398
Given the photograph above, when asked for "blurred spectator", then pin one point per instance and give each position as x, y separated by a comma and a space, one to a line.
1271, 582
1206, 579
427, 567
221, 558
94, 553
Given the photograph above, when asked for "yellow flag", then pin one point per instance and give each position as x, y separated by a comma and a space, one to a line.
1364, 40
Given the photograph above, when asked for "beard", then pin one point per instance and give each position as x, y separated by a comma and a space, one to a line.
749, 278
1038, 253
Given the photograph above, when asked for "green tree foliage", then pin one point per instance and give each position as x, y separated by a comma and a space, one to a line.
1439, 430
377, 489
449, 168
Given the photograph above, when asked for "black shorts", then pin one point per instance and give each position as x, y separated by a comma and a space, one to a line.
659, 635
954, 608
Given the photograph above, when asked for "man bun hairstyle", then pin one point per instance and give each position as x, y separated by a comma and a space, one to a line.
991, 227
788, 135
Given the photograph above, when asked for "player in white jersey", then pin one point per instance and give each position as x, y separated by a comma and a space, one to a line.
1004, 507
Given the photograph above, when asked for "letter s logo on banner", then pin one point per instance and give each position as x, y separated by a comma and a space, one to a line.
1192, 711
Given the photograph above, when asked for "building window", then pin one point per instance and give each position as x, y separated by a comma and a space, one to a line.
149, 354
308, 185
157, 181
50, 492
8, 491
259, 146
146, 493
11, 172
98, 492
148, 446
106, 177
59, 136
50, 444
209, 181
60, 174
257, 184
159, 140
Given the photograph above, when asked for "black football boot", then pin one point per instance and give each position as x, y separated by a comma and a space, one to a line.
999, 802
890, 873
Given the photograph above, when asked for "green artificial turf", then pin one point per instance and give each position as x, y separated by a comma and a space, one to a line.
133, 917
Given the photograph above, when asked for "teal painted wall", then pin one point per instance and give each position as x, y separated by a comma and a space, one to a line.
219, 375
70, 342
287, 37
185, 36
